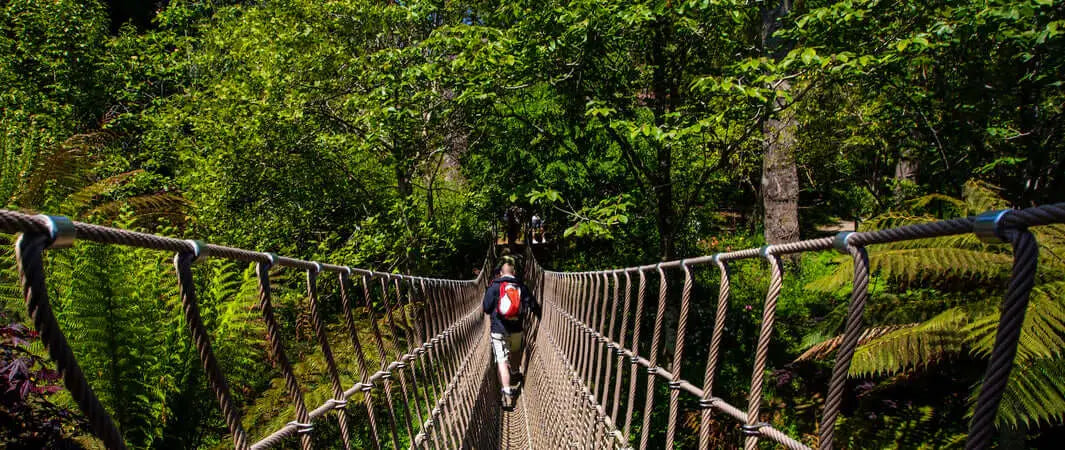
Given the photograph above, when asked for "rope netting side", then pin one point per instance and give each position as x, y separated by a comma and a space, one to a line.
562, 409
577, 305
437, 341
434, 342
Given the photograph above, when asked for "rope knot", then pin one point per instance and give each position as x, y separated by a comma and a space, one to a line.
301, 428
753, 429
708, 403
61, 231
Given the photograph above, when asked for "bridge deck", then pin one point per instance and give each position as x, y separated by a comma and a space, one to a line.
514, 428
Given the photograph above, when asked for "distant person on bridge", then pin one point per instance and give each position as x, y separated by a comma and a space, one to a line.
537, 229
508, 302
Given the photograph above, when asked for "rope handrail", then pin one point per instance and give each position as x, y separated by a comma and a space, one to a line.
18, 222
455, 323
1028, 217
571, 313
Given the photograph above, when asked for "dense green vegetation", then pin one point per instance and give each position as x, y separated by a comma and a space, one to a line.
393, 135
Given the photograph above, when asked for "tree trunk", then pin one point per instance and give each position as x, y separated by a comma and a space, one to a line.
780, 181
403, 177
905, 175
664, 90
780, 176
664, 197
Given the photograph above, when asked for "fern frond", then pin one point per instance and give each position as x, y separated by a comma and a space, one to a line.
1035, 395
62, 167
965, 241
907, 266
84, 197
1043, 331
938, 264
912, 346
949, 205
981, 196
828, 347
838, 279
147, 207
893, 220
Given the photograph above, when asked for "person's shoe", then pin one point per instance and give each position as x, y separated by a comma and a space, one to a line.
507, 398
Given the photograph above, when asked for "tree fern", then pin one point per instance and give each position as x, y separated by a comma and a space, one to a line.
112, 306
925, 265
911, 346
1041, 334
975, 273
825, 348
1034, 396
238, 331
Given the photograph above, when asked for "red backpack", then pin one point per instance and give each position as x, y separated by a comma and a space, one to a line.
509, 300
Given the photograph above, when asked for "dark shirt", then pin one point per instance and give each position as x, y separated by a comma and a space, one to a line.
491, 300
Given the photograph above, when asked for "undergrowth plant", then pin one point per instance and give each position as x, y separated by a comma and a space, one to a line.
935, 308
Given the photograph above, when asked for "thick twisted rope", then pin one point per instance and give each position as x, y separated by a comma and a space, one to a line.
390, 318
202, 341
754, 397
1025, 259
277, 351
656, 339
678, 355
327, 353
851, 335
360, 357
621, 338
28, 252
712, 355
384, 363
600, 388
641, 290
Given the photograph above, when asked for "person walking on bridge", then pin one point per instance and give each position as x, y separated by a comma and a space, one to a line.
508, 303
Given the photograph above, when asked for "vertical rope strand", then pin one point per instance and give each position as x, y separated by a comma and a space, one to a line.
277, 350
383, 361
399, 366
851, 335
190, 305
1025, 263
712, 356
29, 253
360, 359
618, 353
678, 355
754, 398
656, 339
330, 363
637, 320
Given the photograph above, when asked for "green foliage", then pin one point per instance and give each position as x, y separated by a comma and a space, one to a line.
591, 221
977, 272
117, 326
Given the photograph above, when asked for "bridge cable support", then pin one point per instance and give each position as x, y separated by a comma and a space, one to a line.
988, 226
61, 231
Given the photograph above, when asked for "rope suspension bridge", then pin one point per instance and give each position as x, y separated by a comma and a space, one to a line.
586, 356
